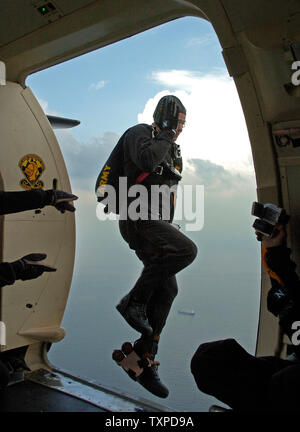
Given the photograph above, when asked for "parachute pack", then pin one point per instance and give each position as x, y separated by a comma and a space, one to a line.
110, 174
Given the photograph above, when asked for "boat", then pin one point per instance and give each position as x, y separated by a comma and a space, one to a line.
186, 312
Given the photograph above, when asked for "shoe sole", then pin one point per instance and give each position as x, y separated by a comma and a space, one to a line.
134, 365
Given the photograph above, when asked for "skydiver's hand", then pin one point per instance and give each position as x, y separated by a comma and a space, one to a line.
276, 240
62, 200
31, 267
169, 117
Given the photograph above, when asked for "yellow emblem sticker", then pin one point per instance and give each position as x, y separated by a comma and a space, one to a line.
32, 166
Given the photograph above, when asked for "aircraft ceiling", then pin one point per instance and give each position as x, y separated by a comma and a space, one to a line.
35, 34
24, 16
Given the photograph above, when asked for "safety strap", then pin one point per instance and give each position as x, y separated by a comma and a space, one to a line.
142, 177
159, 170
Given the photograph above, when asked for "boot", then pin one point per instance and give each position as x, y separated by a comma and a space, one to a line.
150, 379
135, 314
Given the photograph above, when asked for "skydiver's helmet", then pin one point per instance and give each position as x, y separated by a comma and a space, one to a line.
161, 108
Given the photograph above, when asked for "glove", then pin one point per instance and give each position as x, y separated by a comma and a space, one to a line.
30, 266
61, 200
169, 117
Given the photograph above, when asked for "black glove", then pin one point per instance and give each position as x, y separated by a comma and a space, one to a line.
169, 117
61, 200
30, 267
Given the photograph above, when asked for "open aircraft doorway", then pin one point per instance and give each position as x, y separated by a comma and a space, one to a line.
110, 90
260, 46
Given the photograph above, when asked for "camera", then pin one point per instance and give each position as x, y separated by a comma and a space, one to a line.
269, 215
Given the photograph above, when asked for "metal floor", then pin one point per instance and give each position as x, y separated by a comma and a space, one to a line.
28, 396
60, 391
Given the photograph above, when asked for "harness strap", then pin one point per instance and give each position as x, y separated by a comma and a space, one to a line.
142, 177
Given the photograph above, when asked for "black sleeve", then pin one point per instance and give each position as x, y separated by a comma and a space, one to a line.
144, 151
7, 274
14, 202
279, 261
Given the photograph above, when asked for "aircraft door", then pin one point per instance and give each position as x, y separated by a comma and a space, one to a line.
31, 158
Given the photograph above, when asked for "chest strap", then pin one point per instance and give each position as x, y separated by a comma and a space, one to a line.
159, 170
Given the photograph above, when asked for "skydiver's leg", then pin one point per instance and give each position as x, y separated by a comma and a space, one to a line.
160, 304
164, 251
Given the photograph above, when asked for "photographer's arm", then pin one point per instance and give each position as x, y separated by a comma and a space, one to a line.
28, 267
15, 202
284, 297
7, 274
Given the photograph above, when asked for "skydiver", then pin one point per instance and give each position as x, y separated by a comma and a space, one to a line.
152, 158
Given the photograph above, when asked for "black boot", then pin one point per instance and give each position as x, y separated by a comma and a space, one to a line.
135, 314
149, 379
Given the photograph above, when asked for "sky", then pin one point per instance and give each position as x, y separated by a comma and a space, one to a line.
114, 88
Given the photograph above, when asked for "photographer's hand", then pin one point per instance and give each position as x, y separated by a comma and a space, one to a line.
61, 200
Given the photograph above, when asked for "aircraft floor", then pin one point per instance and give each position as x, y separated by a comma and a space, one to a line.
28, 396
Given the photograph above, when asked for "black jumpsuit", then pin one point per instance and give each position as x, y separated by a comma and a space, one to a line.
162, 248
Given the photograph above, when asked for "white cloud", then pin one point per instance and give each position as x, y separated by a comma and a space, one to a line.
177, 79
216, 129
97, 86
45, 108
85, 160
205, 40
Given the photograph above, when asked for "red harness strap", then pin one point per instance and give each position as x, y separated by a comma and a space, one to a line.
142, 177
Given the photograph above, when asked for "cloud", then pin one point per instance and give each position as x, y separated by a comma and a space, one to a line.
216, 129
97, 86
205, 40
214, 144
187, 80
217, 180
176, 79
84, 161
45, 107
